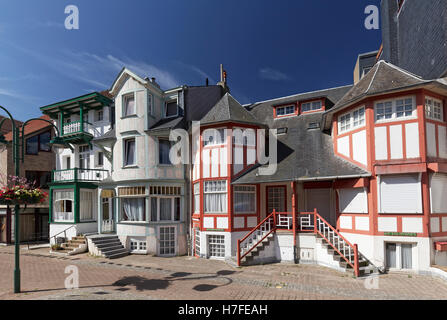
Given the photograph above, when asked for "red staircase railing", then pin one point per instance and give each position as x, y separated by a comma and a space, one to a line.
299, 222
255, 236
343, 247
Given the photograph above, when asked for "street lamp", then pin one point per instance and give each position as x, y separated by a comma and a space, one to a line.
16, 158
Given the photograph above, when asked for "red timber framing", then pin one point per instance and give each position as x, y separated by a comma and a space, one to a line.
228, 177
422, 164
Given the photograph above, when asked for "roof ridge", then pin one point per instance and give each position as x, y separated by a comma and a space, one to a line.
404, 71
297, 94
374, 76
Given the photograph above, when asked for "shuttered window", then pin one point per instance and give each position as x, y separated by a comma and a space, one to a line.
353, 200
400, 194
438, 191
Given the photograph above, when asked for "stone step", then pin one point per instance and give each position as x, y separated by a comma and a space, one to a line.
110, 253
111, 248
118, 255
108, 244
104, 240
77, 241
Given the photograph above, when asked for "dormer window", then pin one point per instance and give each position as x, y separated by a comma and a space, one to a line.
171, 109
311, 106
284, 111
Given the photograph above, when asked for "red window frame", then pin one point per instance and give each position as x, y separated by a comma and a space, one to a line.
294, 104
323, 106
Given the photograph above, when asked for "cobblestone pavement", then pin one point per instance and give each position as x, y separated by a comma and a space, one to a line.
138, 277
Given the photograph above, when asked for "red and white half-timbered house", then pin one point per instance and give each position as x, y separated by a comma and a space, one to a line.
360, 179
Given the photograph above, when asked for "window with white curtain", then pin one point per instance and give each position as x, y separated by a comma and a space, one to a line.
244, 199
63, 205
400, 193
353, 200
399, 255
215, 193
86, 205
196, 197
165, 209
133, 209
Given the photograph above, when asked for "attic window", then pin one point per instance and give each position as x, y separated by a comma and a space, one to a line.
284, 111
311, 106
313, 125
281, 131
171, 108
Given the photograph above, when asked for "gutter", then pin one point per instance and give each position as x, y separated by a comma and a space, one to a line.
365, 175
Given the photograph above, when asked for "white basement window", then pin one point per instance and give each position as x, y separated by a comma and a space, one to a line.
216, 246
138, 246
400, 194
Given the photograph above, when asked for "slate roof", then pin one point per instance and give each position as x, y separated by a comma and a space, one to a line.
228, 109
169, 123
383, 77
303, 154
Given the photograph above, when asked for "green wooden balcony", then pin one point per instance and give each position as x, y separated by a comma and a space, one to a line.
79, 175
76, 132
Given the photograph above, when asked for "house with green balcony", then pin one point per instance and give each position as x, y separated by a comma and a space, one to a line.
83, 122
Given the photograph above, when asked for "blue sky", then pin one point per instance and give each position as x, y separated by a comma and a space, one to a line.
269, 48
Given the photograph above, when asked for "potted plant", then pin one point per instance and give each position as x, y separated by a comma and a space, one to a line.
19, 190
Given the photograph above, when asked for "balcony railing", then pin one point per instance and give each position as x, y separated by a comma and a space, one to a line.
79, 174
75, 127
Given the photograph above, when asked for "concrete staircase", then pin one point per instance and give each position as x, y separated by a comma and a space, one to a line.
108, 246
76, 245
366, 267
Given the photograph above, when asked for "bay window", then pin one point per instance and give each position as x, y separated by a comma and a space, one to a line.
244, 199
63, 205
215, 193
129, 105
214, 137
165, 203
129, 152
133, 209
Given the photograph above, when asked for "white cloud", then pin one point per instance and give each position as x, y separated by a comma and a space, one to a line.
272, 74
197, 70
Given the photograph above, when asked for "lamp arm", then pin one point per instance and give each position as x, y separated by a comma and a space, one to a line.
14, 142
23, 132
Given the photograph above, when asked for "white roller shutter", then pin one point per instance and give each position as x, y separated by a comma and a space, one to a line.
400, 194
353, 200
321, 200
438, 192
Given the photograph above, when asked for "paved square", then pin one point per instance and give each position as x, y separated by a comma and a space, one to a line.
145, 277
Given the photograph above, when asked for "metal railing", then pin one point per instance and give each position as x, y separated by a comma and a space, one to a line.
299, 222
76, 127
62, 232
108, 226
79, 174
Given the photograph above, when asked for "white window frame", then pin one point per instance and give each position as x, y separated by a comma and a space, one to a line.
121, 206
253, 192
160, 241
399, 255
431, 114
125, 141
173, 199
55, 213
222, 140
141, 245
97, 117
196, 194
97, 164
394, 111
92, 204
344, 126
311, 105
205, 193
210, 242
287, 109
150, 104
124, 104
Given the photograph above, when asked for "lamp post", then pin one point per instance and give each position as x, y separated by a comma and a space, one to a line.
56, 142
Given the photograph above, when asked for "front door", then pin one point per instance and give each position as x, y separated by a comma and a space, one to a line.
321, 200
108, 224
276, 199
